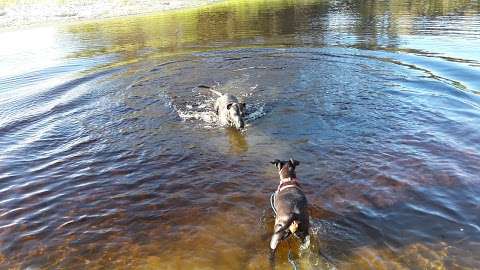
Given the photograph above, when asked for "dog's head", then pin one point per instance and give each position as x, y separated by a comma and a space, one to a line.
236, 112
286, 169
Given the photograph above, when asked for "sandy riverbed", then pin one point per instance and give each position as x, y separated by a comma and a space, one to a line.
22, 13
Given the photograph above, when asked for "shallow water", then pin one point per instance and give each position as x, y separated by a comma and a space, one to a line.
111, 156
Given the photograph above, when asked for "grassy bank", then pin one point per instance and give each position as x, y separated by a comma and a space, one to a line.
17, 13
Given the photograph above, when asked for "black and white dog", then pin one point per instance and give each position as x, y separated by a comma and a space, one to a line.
230, 111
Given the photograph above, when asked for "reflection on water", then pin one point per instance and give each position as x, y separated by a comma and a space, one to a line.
110, 156
237, 141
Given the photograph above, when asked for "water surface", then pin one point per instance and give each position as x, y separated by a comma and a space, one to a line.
111, 158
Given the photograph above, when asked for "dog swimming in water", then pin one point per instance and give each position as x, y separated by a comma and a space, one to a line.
230, 111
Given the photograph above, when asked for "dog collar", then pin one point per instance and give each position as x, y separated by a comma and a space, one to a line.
292, 182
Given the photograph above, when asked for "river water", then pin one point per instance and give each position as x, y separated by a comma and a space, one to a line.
111, 157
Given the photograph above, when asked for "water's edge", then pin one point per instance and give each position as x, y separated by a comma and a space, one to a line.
34, 14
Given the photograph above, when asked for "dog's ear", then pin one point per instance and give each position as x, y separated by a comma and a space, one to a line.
229, 106
275, 161
278, 163
294, 162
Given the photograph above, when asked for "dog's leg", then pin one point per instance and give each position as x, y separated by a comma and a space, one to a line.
275, 240
271, 259
277, 236
305, 238
301, 235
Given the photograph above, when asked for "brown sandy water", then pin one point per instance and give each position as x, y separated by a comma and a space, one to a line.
110, 157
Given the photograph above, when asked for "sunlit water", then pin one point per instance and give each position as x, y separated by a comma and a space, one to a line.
111, 157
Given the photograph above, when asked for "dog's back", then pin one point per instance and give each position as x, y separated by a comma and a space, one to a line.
292, 205
225, 99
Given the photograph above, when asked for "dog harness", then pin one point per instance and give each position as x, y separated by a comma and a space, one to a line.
291, 182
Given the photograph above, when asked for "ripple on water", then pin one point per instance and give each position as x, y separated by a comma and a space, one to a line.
125, 175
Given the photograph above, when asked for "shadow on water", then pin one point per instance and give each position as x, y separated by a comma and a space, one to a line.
111, 156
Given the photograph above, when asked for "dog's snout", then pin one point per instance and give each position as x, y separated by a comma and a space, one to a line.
238, 122
239, 125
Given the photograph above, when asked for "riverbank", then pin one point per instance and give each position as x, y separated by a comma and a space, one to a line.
14, 14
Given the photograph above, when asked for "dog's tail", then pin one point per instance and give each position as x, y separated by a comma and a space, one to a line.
291, 225
210, 88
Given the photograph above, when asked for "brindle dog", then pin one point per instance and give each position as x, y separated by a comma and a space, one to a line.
290, 204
